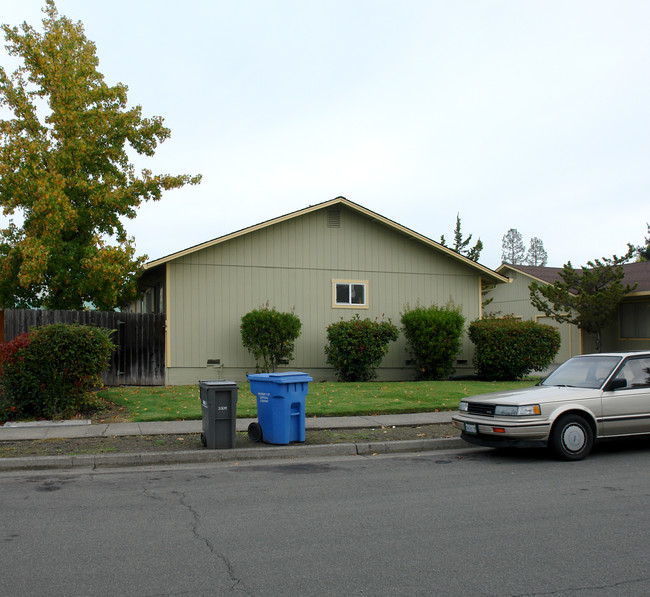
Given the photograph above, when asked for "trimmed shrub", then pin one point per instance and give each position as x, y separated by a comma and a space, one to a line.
509, 349
14, 396
355, 348
270, 336
434, 336
52, 371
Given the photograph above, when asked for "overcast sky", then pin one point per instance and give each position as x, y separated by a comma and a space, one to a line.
526, 114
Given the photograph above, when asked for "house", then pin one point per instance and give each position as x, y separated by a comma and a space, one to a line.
326, 262
629, 330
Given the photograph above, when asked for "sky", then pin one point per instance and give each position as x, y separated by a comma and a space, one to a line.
526, 114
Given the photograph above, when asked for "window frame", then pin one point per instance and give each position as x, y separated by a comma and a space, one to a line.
628, 316
350, 283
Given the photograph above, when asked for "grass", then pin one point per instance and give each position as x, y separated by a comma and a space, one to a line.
171, 403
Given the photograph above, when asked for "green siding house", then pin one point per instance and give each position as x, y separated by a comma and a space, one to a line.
628, 330
325, 263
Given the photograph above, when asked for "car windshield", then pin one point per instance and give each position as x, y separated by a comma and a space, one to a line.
583, 372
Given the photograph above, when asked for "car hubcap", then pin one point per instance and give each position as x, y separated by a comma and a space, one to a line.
573, 438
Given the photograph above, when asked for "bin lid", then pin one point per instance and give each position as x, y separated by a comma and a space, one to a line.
282, 377
216, 382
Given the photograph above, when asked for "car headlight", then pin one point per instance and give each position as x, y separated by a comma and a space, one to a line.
517, 411
462, 407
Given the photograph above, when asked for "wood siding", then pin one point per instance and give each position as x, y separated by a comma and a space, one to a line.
291, 266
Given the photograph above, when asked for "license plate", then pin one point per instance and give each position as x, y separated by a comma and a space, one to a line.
471, 428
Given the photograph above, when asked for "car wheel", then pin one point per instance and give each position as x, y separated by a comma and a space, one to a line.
571, 437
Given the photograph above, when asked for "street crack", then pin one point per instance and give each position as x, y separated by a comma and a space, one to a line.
237, 583
621, 583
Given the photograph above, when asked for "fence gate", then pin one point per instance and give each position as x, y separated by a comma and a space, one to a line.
139, 359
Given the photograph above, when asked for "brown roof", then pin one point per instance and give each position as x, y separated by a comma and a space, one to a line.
638, 273
635, 273
545, 274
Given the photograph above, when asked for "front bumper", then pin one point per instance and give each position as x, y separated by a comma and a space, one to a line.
502, 442
498, 432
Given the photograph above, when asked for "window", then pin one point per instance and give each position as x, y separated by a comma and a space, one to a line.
350, 293
634, 320
636, 373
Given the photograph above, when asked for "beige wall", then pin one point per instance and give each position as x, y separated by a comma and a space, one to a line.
291, 265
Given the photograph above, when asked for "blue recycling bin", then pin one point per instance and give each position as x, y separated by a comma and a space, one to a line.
280, 406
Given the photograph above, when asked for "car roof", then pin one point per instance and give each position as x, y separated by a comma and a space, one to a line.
621, 354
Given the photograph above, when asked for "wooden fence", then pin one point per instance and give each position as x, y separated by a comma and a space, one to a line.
139, 359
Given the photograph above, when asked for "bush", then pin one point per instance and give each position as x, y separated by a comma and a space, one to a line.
355, 348
434, 336
14, 400
52, 371
270, 336
509, 349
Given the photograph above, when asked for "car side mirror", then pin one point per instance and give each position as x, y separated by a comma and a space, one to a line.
616, 384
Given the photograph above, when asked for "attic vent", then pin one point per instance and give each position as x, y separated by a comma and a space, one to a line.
333, 218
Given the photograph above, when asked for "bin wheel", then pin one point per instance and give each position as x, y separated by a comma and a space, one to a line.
203, 440
255, 432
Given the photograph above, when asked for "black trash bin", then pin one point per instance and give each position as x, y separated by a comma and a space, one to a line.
219, 410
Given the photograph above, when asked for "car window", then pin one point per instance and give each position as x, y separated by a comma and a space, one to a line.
583, 372
635, 372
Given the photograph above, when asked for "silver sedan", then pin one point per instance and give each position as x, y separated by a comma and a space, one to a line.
587, 398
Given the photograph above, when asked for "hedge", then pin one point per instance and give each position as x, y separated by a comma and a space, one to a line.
355, 348
509, 349
52, 371
270, 336
434, 336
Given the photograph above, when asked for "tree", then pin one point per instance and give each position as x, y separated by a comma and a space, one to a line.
536, 254
513, 247
462, 246
65, 172
643, 252
587, 298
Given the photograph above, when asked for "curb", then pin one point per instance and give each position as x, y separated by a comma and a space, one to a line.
96, 461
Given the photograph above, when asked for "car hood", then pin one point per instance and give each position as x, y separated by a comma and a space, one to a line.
535, 394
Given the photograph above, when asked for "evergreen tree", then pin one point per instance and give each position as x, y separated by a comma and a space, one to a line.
536, 254
643, 252
462, 245
587, 298
513, 247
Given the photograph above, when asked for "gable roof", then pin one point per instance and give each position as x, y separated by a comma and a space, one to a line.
537, 272
635, 273
481, 269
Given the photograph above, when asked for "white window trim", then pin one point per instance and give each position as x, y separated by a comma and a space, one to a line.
336, 305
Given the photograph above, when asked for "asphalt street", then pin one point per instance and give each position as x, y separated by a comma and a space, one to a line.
455, 522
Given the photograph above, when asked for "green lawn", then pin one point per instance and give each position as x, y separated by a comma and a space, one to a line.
170, 403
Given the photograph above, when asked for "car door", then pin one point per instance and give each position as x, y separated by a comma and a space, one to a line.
626, 409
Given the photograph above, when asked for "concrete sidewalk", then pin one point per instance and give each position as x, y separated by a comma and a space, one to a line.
260, 451
73, 429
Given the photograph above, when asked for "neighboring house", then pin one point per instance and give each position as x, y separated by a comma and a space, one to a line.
326, 263
630, 330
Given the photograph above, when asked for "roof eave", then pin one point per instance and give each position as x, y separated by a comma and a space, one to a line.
484, 271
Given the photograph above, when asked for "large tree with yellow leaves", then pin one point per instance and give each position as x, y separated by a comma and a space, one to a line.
65, 175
